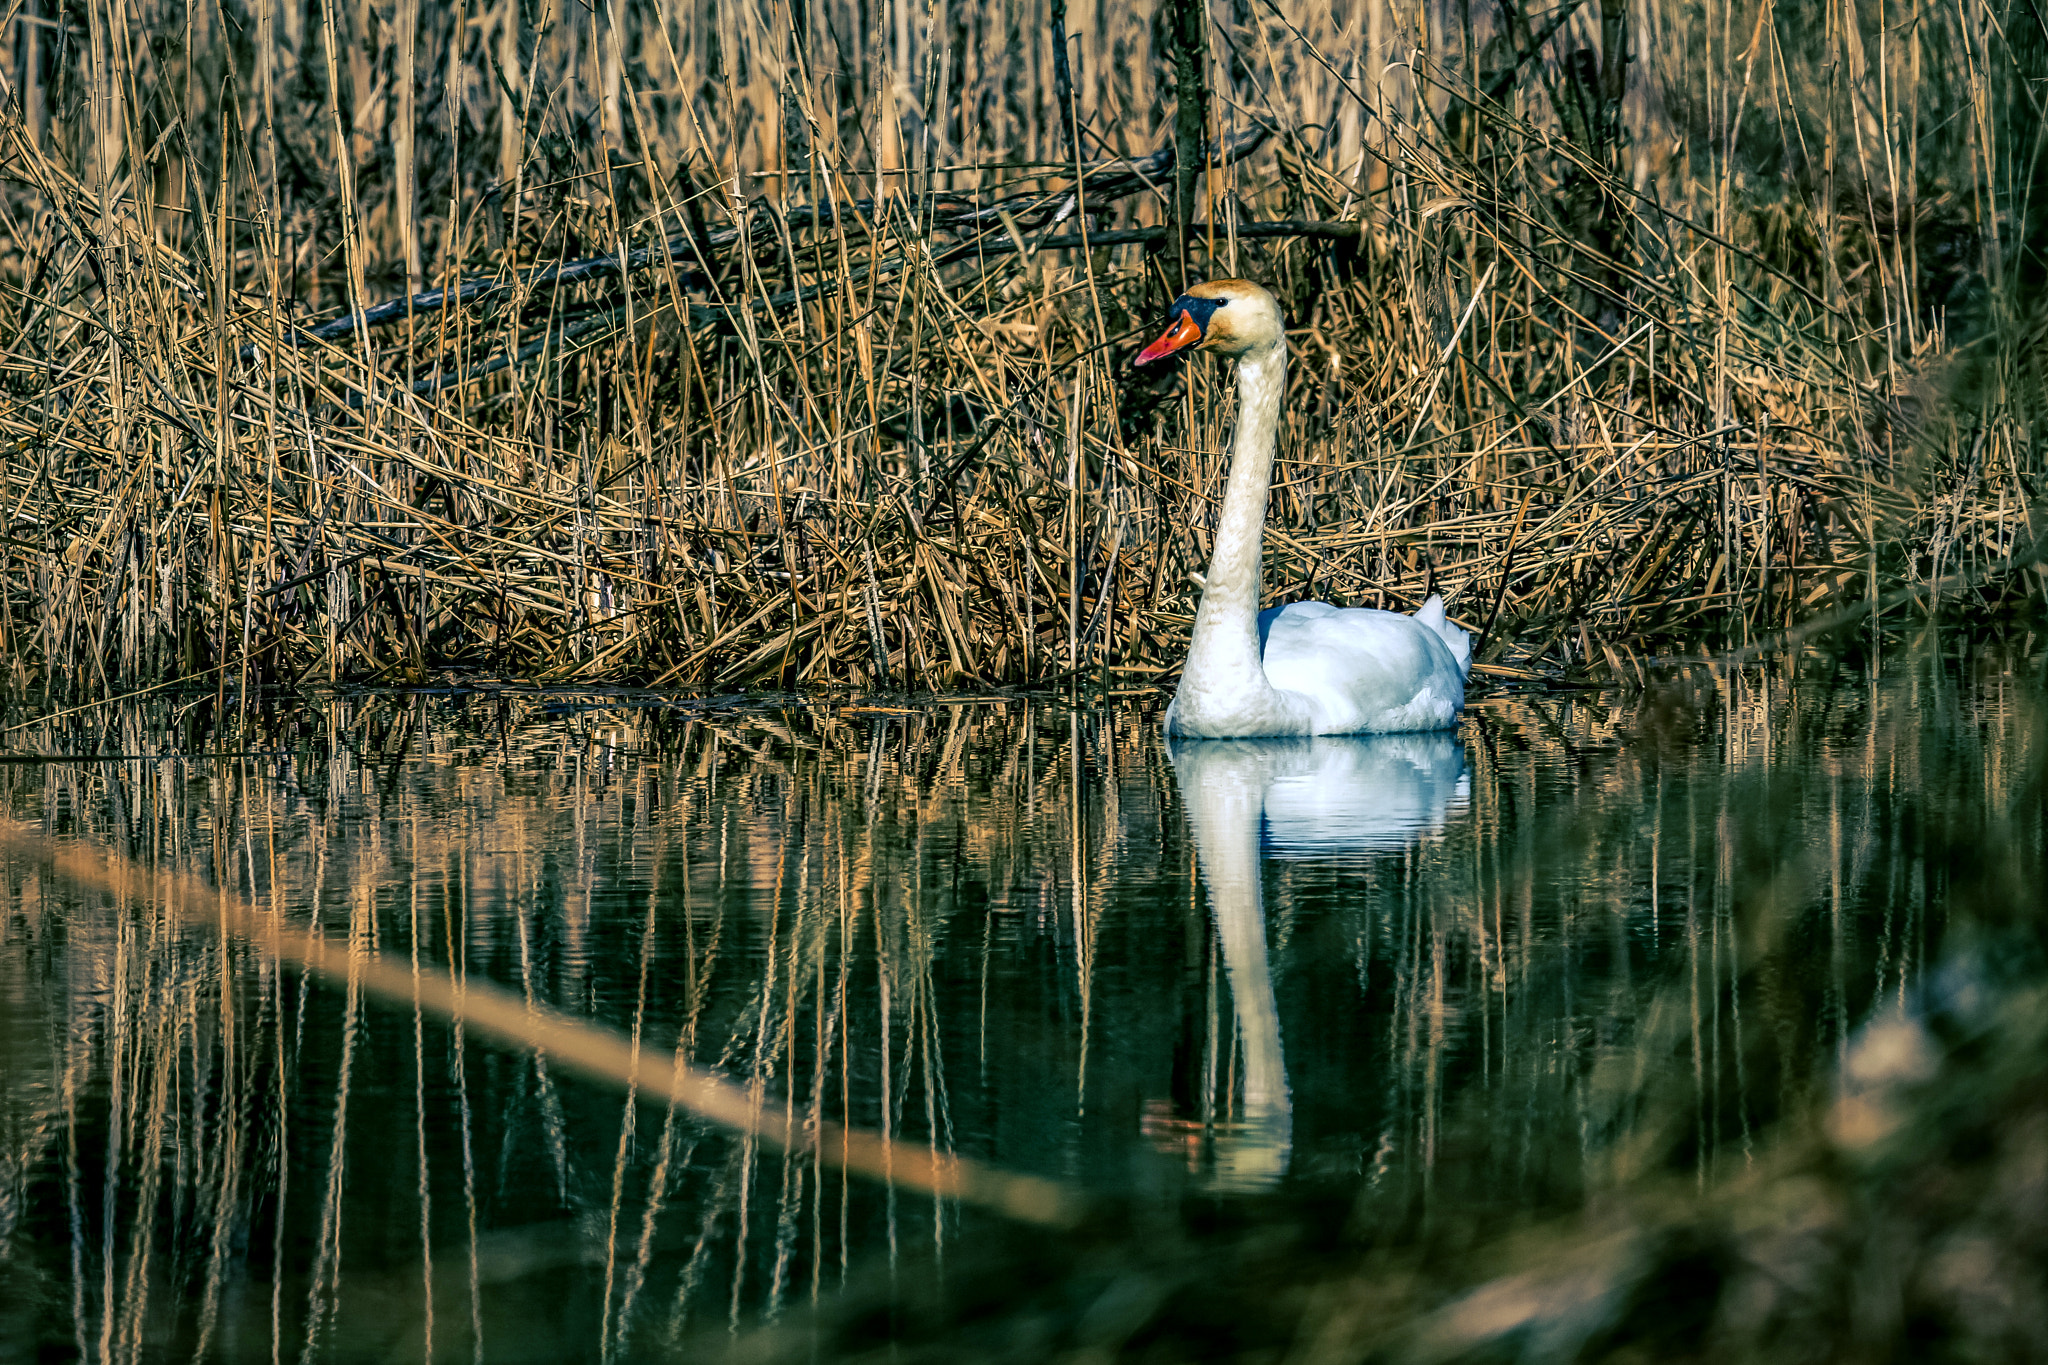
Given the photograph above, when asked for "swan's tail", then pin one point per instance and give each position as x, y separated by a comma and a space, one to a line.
1431, 614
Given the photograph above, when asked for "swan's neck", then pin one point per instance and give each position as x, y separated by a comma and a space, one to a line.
1223, 655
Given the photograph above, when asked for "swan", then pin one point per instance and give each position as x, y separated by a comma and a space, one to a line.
1307, 668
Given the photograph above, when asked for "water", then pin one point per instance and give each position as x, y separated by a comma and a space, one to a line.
1444, 982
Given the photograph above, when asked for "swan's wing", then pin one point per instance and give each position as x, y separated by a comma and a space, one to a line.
1362, 670
1431, 614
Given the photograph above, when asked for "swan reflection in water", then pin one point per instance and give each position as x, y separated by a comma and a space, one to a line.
1326, 798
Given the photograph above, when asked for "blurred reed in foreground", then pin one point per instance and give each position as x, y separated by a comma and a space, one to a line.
731, 344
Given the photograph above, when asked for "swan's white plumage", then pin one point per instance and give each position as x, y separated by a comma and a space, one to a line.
1307, 668
1363, 671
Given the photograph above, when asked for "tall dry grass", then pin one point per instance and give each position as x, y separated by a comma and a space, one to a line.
788, 343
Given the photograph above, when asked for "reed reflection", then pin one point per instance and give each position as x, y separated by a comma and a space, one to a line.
1609, 935
1323, 798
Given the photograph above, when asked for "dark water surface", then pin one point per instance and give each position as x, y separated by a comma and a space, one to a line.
1462, 980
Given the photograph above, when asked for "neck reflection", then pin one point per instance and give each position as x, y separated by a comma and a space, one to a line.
1321, 798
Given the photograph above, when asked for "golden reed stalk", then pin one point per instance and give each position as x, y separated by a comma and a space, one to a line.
729, 345
597, 1052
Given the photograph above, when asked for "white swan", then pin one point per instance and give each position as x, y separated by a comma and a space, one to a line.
1307, 668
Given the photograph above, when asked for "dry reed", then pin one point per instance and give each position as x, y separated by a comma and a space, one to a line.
577, 1045
788, 344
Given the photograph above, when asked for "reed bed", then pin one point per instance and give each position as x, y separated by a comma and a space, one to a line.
788, 345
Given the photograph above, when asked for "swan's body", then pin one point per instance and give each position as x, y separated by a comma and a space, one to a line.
1307, 668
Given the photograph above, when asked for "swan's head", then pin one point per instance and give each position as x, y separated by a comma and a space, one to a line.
1229, 317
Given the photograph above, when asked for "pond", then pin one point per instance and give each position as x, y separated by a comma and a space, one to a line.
1451, 984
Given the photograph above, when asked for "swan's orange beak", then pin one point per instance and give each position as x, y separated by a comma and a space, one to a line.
1181, 335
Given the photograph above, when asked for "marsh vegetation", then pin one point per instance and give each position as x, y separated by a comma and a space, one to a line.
654, 352
787, 344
